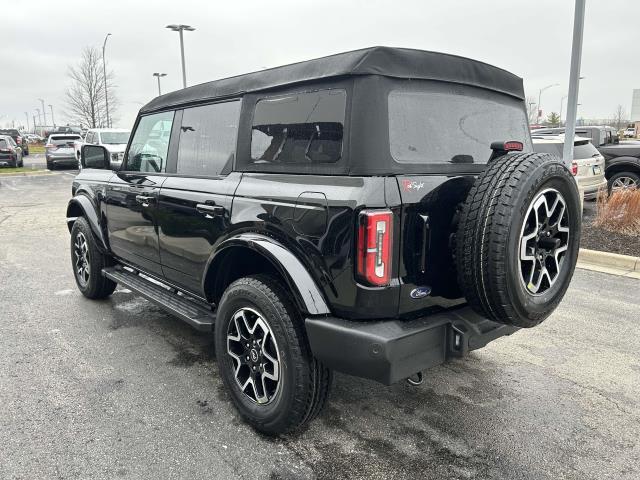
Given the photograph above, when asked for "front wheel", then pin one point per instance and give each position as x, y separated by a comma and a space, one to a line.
264, 357
87, 262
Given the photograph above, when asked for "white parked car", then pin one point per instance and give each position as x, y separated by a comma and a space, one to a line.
588, 164
630, 133
113, 139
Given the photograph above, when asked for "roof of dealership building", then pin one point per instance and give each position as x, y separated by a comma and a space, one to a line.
402, 63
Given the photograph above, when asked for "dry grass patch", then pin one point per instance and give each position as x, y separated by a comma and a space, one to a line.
619, 212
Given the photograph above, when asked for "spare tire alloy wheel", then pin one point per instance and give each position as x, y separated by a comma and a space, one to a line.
254, 350
544, 241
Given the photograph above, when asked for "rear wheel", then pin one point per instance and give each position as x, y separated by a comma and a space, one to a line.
264, 357
624, 181
87, 262
518, 238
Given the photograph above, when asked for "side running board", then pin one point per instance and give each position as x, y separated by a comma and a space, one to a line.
195, 312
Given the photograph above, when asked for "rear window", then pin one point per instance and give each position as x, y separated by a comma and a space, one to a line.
583, 150
114, 138
60, 140
437, 127
554, 148
305, 128
4, 144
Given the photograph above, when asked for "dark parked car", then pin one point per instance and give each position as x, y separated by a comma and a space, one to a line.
10, 153
60, 152
375, 212
18, 139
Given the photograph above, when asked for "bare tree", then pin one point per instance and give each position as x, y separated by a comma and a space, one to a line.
619, 117
532, 109
86, 96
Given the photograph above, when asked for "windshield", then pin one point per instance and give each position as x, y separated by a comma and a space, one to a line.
447, 127
114, 138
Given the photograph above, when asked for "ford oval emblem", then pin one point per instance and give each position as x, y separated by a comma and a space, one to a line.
420, 292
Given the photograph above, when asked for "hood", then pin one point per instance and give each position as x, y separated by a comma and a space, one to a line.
115, 148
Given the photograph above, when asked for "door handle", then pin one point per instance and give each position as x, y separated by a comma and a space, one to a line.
145, 200
210, 210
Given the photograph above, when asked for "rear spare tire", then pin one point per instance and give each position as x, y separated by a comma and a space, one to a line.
518, 238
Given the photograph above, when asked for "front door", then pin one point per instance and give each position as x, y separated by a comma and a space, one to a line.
132, 194
194, 205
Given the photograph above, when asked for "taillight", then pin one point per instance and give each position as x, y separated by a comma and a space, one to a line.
19, 140
574, 169
51, 146
374, 244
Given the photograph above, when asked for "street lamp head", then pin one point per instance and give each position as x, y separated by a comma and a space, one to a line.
157, 74
177, 28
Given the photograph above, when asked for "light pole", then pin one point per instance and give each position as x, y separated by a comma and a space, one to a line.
180, 29
574, 82
530, 119
158, 75
104, 75
561, 105
27, 115
44, 111
39, 117
53, 120
540, 97
34, 125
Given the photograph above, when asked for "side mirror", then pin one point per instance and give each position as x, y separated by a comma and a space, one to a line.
94, 156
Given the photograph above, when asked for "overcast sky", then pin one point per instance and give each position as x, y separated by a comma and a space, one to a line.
39, 39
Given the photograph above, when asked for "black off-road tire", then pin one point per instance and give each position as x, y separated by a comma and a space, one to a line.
96, 285
304, 382
489, 234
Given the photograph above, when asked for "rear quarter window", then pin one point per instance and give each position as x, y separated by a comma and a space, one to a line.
299, 129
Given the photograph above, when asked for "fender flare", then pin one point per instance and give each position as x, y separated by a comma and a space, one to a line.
88, 210
306, 293
619, 163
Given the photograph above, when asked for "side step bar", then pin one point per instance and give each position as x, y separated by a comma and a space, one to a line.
196, 313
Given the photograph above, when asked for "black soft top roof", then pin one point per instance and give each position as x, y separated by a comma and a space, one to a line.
387, 61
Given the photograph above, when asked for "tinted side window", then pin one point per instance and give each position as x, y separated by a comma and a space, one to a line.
305, 128
208, 138
150, 144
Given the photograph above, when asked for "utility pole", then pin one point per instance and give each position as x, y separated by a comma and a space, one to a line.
180, 29
44, 111
158, 75
53, 120
540, 98
574, 81
104, 74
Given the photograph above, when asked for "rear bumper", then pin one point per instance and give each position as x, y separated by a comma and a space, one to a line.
591, 191
68, 161
391, 350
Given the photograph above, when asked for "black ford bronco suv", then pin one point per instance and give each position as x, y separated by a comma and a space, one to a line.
375, 212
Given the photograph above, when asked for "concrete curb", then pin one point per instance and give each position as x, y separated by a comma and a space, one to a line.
613, 263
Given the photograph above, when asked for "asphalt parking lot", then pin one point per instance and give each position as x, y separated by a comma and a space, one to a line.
118, 388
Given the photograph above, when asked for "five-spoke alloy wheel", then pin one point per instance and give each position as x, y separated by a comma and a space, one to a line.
81, 256
254, 350
544, 241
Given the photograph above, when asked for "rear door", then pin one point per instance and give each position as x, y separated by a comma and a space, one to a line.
195, 201
132, 194
590, 163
